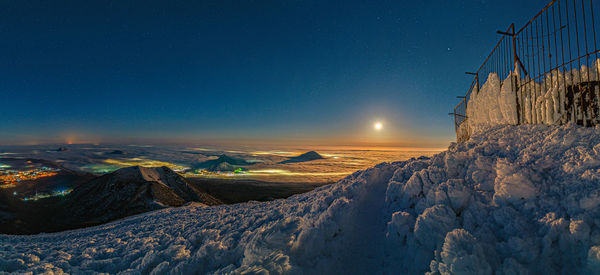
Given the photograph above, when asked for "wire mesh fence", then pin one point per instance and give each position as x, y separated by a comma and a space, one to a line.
555, 60
498, 61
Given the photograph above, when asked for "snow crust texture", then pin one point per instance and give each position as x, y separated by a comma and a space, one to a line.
511, 200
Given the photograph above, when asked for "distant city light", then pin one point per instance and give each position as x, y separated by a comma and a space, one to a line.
10, 178
145, 163
57, 193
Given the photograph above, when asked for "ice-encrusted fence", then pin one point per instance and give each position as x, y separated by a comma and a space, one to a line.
546, 72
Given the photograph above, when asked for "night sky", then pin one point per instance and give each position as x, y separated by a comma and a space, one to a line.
294, 72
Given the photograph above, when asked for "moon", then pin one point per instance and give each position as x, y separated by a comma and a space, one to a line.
378, 126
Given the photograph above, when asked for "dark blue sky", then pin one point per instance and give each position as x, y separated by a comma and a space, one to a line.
207, 71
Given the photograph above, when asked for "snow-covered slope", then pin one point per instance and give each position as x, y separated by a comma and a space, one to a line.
513, 200
128, 191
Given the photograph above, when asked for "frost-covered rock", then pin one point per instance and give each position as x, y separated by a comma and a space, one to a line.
593, 259
512, 200
433, 224
514, 184
543, 101
493, 104
461, 254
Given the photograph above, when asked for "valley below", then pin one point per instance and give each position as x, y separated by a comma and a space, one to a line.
45, 189
125, 192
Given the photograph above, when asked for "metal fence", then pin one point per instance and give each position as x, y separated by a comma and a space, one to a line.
556, 49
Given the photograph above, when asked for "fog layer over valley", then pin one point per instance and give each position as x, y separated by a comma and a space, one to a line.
259, 163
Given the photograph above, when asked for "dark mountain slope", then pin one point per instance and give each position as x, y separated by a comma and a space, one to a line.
132, 190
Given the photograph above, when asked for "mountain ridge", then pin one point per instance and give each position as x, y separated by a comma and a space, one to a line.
132, 190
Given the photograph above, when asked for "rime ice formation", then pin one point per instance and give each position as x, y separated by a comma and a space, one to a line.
541, 103
494, 104
511, 200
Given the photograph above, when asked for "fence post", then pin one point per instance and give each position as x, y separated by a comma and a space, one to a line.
515, 76
476, 80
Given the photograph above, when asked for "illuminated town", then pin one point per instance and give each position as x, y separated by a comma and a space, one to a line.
38, 196
10, 178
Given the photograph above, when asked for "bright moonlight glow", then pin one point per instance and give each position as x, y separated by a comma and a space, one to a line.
378, 126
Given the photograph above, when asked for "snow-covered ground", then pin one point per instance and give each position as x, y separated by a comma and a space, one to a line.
512, 200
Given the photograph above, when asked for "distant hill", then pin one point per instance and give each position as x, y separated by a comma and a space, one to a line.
223, 163
130, 191
308, 156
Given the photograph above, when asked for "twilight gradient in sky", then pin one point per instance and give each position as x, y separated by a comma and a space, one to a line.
290, 71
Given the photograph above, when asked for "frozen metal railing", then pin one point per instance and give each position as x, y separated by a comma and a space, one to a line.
498, 61
554, 54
